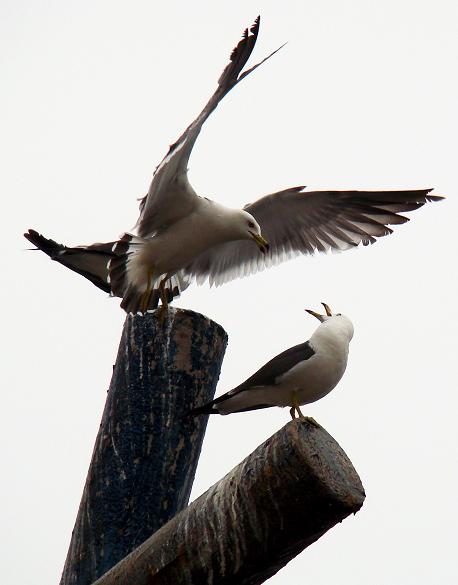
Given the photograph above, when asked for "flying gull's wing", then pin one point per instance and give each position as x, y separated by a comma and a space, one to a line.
89, 261
296, 222
170, 178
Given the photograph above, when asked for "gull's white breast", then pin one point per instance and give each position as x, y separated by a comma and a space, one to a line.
314, 378
208, 225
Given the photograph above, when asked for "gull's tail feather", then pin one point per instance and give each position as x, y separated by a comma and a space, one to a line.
236, 400
227, 404
205, 409
128, 277
89, 261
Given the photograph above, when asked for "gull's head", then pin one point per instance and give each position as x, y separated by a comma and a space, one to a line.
335, 321
251, 230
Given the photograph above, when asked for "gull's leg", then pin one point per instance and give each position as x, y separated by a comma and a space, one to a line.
299, 411
295, 406
162, 311
147, 294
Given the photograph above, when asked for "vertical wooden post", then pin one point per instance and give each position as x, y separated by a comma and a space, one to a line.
146, 452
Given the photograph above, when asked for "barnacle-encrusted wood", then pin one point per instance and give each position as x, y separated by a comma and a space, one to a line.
279, 500
146, 451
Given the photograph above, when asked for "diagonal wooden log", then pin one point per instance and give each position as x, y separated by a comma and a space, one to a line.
146, 452
279, 500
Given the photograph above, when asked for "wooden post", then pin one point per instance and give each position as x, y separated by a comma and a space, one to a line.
147, 449
279, 500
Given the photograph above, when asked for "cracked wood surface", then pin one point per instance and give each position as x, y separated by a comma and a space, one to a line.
279, 500
146, 451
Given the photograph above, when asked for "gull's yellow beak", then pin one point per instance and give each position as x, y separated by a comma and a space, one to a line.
317, 315
261, 242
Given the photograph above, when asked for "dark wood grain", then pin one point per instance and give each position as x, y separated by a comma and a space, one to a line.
279, 500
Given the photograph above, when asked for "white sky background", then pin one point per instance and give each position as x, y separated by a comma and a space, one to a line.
363, 96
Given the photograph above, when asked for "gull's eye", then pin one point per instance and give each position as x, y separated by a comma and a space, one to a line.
251, 224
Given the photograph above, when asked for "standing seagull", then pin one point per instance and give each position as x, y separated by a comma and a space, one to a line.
300, 375
183, 237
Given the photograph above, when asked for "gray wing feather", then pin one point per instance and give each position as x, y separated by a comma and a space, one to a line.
265, 376
296, 222
170, 181
273, 369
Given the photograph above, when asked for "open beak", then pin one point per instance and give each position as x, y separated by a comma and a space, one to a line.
262, 244
317, 315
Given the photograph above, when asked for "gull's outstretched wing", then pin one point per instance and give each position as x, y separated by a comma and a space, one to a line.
296, 222
92, 263
170, 196
89, 261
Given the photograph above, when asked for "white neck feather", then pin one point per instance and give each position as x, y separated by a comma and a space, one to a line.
335, 331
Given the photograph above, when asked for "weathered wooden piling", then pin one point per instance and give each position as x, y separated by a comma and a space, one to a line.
279, 500
146, 452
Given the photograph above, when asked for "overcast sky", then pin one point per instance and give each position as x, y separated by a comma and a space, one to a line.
364, 95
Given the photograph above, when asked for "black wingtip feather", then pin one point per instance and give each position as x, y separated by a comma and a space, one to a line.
205, 409
46, 245
434, 197
255, 26
77, 259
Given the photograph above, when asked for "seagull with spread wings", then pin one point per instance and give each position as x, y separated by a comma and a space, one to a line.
181, 237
